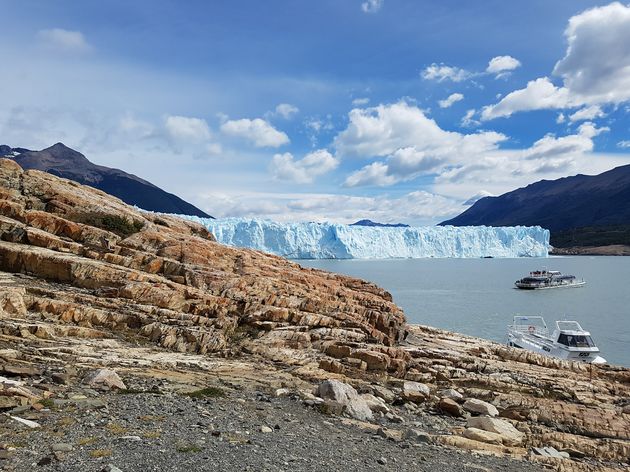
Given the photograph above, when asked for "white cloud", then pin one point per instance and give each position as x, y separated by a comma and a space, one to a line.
540, 93
442, 72
305, 170
587, 113
412, 143
624, 144
407, 144
468, 120
64, 40
286, 110
185, 128
375, 173
500, 64
257, 131
372, 6
358, 102
595, 69
452, 98
138, 129
561, 118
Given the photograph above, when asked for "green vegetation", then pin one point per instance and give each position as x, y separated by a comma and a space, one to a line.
208, 392
114, 223
187, 448
591, 236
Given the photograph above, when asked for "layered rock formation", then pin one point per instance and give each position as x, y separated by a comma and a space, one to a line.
86, 280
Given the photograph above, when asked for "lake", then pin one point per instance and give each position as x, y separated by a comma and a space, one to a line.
477, 296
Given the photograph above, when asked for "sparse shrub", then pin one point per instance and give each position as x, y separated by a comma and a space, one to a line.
208, 392
115, 223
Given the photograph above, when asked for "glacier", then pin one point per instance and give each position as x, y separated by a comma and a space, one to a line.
307, 240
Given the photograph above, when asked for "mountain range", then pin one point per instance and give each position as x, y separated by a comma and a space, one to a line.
581, 210
65, 162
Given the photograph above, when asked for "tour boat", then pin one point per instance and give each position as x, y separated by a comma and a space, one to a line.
542, 279
568, 341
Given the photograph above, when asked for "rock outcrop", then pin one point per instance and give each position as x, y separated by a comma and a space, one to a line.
87, 283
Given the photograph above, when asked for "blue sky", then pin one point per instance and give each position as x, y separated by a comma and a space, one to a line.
334, 110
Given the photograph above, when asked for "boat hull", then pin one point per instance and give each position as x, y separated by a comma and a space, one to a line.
548, 286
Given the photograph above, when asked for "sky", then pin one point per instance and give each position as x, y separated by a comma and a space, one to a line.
323, 110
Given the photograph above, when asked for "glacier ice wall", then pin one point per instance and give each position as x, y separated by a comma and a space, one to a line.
337, 241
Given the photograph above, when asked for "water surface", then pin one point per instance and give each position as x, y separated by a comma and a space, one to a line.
476, 296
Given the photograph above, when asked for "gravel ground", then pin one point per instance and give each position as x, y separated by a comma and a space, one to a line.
243, 431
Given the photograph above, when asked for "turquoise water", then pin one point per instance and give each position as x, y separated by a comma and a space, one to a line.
476, 296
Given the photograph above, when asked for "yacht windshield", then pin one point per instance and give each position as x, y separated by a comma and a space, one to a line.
576, 341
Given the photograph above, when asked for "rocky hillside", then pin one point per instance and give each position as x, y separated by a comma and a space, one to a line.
89, 286
581, 210
64, 162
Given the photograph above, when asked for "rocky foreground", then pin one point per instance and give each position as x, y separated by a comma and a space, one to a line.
134, 341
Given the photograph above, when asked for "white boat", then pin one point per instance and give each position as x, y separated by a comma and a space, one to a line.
542, 279
568, 341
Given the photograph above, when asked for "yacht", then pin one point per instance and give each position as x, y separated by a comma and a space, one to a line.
541, 279
568, 341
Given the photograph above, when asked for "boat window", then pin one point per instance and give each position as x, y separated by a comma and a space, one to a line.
575, 341
583, 341
562, 339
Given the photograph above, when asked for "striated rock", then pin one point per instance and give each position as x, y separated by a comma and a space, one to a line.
167, 279
509, 435
483, 436
415, 392
355, 406
480, 407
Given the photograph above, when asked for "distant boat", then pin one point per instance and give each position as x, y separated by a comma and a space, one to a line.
569, 341
542, 279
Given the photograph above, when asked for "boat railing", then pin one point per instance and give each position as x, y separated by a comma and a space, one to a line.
530, 329
568, 326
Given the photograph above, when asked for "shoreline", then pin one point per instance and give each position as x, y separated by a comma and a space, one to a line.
611, 250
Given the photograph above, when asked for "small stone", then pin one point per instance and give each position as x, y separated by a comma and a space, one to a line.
29, 423
62, 447
266, 429
59, 378
477, 434
417, 436
382, 461
131, 438
282, 392
110, 468
626, 410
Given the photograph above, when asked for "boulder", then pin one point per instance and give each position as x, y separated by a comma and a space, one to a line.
450, 407
376, 404
104, 379
510, 436
384, 393
415, 392
484, 436
480, 407
452, 394
345, 395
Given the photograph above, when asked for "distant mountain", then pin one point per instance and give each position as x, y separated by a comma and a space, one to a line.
576, 209
382, 225
64, 162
